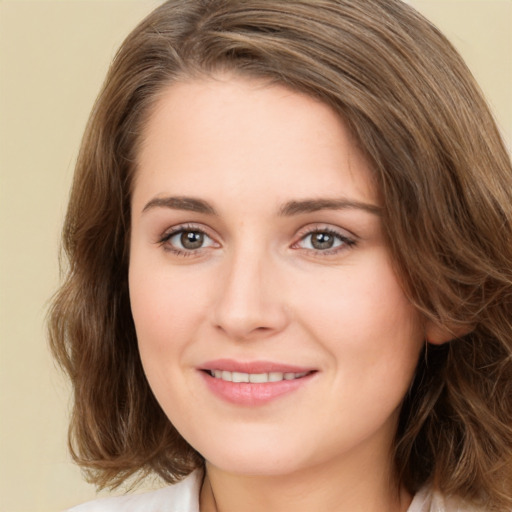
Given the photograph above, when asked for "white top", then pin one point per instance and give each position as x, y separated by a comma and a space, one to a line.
180, 497
184, 497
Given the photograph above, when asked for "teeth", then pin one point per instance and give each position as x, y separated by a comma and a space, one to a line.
238, 377
255, 378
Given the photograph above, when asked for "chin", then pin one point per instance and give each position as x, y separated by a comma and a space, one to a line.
253, 459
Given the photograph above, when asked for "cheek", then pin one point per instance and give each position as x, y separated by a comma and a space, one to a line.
373, 337
165, 318
163, 308
361, 315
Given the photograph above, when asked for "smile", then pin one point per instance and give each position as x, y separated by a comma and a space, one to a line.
255, 378
255, 383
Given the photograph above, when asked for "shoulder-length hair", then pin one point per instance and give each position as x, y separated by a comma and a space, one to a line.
446, 186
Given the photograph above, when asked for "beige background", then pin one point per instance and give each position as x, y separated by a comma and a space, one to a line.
53, 56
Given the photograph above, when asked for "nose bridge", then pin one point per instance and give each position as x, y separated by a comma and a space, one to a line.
248, 300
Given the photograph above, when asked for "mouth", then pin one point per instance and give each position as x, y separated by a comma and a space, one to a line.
254, 383
256, 378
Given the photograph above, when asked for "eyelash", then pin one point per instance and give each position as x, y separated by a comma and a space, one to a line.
164, 240
345, 242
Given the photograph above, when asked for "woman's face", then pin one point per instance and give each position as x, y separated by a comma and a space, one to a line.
257, 255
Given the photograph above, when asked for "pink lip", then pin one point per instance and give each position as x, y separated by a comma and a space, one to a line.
231, 365
251, 394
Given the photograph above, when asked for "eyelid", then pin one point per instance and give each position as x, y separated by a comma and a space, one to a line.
349, 239
164, 238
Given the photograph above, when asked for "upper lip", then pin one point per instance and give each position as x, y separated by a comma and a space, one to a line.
231, 365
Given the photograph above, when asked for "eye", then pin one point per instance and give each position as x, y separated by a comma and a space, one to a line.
188, 240
326, 240
183, 240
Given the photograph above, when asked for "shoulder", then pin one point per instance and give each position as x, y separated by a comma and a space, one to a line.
428, 500
180, 497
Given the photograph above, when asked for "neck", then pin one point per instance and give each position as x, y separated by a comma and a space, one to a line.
367, 487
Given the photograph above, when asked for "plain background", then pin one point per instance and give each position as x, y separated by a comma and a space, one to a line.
53, 58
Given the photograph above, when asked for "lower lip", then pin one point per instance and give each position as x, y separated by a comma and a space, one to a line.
248, 394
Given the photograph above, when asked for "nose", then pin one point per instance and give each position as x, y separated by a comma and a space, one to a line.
250, 302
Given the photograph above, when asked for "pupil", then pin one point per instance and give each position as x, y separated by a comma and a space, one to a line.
322, 241
192, 239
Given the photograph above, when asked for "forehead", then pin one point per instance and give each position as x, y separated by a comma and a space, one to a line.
235, 129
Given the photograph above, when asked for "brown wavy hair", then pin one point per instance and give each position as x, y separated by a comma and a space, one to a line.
446, 184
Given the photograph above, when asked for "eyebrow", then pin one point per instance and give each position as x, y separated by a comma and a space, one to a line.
190, 204
289, 209
314, 205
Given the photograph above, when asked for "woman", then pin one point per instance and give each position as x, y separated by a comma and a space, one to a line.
290, 271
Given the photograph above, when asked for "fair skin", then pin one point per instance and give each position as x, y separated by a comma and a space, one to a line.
257, 248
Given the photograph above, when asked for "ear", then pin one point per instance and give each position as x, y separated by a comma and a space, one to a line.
438, 334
